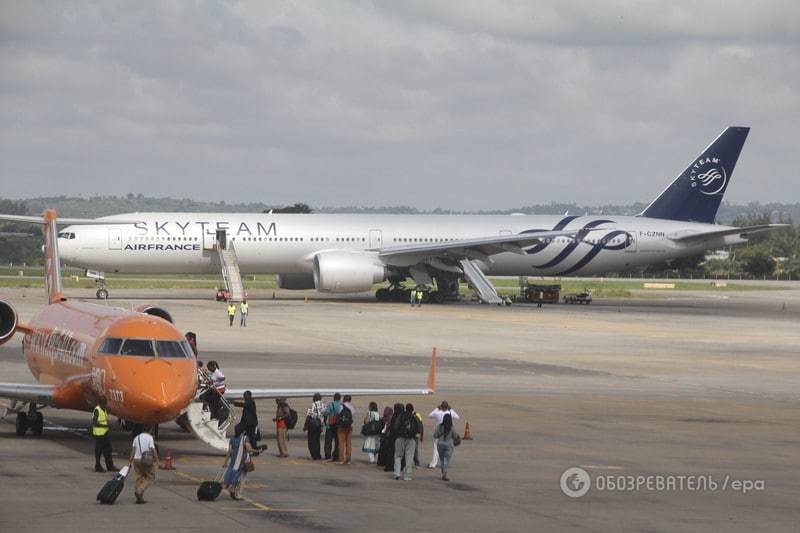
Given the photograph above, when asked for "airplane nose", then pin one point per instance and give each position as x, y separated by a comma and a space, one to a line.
166, 389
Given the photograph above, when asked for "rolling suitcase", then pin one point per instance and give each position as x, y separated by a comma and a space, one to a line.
209, 490
112, 489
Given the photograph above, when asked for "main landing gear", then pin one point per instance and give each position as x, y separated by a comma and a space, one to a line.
33, 420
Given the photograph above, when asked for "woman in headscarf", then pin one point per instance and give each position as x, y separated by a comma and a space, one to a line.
371, 445
390, 433
249, 420
446, 438
388, 412
239, 454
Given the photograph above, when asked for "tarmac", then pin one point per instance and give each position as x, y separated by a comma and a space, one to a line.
689, 402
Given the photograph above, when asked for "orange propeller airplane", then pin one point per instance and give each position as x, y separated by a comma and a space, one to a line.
79, 351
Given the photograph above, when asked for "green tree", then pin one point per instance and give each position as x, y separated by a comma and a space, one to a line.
756, 260
294, 208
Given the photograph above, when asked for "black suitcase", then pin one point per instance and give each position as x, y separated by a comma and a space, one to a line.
209, 490
112, 489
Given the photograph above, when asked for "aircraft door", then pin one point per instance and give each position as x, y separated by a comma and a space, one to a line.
114, 239
375, 239
630, 237
222, 238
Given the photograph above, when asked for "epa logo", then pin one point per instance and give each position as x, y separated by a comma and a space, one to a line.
575, 482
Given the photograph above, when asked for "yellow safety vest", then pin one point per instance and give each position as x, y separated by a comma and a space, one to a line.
244, 308
231, 310
99, 431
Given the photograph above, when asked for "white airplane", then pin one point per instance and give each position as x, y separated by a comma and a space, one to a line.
350, 253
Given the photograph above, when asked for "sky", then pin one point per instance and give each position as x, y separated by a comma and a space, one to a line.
459, 104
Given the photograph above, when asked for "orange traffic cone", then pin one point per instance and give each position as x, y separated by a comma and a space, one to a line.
467, 434
167, 464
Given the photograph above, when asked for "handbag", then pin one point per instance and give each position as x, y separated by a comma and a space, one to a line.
147, 458
371, 428
249, 466
456, 439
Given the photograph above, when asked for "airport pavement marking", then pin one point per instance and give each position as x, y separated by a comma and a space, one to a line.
256, 505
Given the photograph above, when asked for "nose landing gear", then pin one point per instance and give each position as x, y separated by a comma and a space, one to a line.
33, 420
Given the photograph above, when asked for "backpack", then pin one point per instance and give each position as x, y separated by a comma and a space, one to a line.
345, 418
407, 426
291, 420
147, 456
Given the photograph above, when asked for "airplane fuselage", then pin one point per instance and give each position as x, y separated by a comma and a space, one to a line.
287, 243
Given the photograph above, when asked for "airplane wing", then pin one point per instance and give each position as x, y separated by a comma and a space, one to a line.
41, 394
258, 393
482, 246
743, 232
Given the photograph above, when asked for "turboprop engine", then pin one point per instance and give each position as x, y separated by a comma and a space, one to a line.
8, 321
347, 271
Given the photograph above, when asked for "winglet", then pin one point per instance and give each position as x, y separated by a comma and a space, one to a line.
432, 373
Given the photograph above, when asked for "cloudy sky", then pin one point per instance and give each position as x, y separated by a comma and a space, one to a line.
462, 104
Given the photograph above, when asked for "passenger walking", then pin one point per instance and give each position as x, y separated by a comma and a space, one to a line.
144, 458
281, 414
413, 296
405, 443
446, 440
371, 443
386, 446
344, 431
315, 419
244, 308
249, 419
438, 415
331, 422
231, 312
238, 462
420, 295
102, 440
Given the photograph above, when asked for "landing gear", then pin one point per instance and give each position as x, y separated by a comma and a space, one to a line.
102, 294
32, 420
22, 424
99, 278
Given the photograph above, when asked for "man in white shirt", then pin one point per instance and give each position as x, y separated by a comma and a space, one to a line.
438, 414
144, 458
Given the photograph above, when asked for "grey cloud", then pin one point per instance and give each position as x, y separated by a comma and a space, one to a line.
463, 105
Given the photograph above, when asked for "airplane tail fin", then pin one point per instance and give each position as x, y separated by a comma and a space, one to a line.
695, 195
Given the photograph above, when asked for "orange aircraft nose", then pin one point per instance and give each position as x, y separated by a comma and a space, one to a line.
156, 390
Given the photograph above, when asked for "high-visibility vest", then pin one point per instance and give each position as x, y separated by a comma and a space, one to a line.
244, 307
102, 419
231, 310
420, 294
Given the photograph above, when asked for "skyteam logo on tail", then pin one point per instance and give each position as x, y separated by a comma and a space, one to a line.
709, 176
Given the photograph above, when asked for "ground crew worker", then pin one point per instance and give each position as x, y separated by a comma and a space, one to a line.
420, 294
102, 440
243, 308
413, 294
231, 312
541, 298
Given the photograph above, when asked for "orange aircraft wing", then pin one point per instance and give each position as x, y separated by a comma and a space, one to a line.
42, 394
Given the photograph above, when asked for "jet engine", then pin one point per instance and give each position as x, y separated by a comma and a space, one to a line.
155, 311
296, 282
8, 321
347, 271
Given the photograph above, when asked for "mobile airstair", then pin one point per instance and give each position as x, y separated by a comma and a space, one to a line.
480, 283
230, 272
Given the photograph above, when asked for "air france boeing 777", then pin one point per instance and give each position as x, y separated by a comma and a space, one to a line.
350, 253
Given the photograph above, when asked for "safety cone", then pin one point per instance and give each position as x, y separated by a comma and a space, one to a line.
167, 464
467, 434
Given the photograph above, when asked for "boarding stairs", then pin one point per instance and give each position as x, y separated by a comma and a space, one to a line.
230, 272
480, 283
197, 419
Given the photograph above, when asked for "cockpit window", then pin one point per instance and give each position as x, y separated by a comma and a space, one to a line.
140, 347
66, 235
111, 345
171, 349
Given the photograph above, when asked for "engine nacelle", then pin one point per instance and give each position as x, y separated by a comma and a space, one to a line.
155, 311
347, 271
295, 282
8, 321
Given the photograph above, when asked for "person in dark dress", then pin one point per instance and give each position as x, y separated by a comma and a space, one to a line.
387, 441
249, 420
